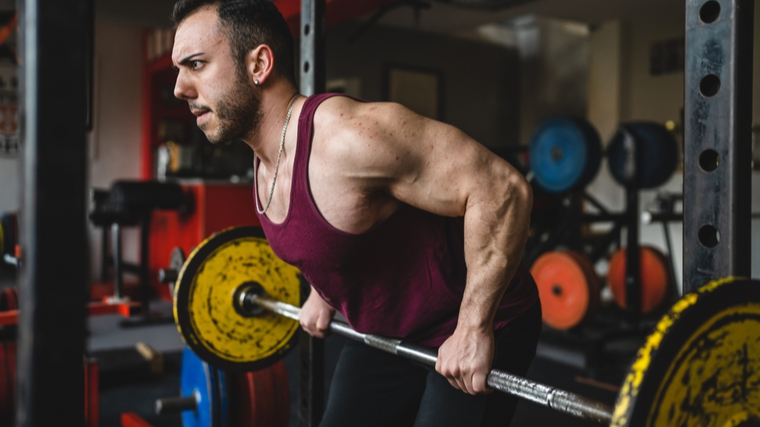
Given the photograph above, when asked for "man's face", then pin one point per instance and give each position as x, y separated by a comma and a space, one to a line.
219, 95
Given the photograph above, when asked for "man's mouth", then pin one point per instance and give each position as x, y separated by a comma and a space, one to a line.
200, 114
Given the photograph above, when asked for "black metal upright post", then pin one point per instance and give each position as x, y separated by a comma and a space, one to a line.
717, 149
312, 350
118, 274
632, 250
53, 238
312, 67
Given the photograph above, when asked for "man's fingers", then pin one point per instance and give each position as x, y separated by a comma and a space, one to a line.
479, 385
323, 323
310, 326
467, 382
470, 382
454, 376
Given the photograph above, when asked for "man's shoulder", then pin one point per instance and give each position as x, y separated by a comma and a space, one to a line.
345, 126
344, 111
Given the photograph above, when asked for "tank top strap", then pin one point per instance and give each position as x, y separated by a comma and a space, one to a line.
303, 143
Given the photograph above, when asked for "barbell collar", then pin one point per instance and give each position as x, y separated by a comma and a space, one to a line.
560, 400
168, 275
172, 405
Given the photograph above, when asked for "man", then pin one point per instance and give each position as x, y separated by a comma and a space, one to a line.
406, 225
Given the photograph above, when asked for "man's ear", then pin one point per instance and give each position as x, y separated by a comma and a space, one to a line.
259, 64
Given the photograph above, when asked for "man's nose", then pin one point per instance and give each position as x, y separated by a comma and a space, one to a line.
182, 87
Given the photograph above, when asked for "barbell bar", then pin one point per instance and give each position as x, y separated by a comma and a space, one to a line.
560, 400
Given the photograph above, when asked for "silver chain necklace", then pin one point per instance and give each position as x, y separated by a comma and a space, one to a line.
277, 165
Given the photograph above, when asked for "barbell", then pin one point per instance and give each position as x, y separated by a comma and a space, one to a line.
234, 307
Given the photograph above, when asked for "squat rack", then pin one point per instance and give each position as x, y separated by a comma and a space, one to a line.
717, 238
53, 107
53, 270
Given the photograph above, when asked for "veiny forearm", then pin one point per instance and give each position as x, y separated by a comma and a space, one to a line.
496, 224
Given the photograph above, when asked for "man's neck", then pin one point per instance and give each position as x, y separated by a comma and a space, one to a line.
265, 142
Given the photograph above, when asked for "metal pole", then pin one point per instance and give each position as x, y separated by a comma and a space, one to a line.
632, 252
717, 132
312, 66
542, 394
118, 274
54, 272
311, 350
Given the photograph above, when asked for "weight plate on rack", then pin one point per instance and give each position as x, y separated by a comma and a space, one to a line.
657, 153
565, 153
567, 287
654, 274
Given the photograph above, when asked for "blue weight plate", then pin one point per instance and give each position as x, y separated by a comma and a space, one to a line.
198, 379
657, 154
565, 153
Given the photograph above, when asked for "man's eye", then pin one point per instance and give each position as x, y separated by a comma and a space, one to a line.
196, 64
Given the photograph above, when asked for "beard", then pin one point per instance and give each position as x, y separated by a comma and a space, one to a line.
238, 114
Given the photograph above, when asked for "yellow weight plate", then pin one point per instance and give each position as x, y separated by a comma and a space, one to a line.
701, 365
204, 293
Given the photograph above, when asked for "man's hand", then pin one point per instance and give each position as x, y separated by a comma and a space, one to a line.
315, 315
465, 360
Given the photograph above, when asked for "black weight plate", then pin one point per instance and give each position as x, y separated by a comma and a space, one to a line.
657, 154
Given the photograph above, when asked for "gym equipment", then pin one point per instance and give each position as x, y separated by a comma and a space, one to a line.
213, 398
565, 153
709, 335
171, 274
203, 390
567, 287
701, 365
656, 153
225, 266
129, 204
717, 122
655, 277
260, 398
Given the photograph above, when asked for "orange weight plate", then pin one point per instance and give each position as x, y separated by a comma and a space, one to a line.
655, 280
282, 393
568, 288
260, 398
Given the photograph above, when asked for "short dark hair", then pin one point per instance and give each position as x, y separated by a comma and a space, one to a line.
248, 24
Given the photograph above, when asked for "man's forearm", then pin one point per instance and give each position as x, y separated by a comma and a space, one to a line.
496, 230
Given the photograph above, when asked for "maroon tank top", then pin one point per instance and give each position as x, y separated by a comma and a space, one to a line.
402, 278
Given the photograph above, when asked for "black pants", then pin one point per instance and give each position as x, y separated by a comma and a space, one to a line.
374, 388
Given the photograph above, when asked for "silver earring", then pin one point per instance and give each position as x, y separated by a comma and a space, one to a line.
256, 82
